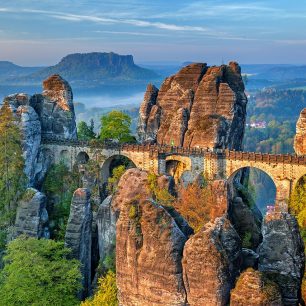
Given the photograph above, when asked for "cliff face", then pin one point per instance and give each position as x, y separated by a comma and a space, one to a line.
50, 114
300, 137
199, 106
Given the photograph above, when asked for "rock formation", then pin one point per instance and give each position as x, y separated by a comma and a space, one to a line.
106, 221
281, 255
253, 289
50, 115
300, 137
210, 263
32, 216
29, 123
149, 246
199, 106
78, 235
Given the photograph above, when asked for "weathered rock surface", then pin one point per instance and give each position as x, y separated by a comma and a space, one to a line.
55, 108
281, 254
79, 234
253, 289
210, 263
199, 106
300, 136
246, 223
28, 121
32, 216
249, 259
106, 221
149, 246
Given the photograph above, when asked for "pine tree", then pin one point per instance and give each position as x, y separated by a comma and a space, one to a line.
86, 132
12, 178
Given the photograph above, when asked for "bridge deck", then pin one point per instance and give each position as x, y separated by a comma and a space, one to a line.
165, 149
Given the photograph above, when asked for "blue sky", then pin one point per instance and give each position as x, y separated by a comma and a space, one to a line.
41, 32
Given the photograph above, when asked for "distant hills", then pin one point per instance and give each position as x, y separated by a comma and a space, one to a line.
84, 69
10, 70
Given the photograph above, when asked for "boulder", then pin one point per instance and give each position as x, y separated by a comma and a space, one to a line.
199, 106
78, 235
253, 289
300, 136
210, 263
31, 215
281, 254
149, 246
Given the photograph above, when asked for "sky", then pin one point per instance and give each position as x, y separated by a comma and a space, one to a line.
41, 32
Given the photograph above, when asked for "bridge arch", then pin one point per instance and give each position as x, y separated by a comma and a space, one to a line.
64, 157
260, 184
177, 165
82, 158
112, 162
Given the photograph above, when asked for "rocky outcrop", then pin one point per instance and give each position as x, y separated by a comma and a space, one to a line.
210, 263
55, 109
149, 246
199, 106
106, 221
79, 235
253, 289
29, 123
32, 216
281, 255
50, 115
300, 136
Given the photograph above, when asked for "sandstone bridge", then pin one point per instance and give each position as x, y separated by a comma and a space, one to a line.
284, 169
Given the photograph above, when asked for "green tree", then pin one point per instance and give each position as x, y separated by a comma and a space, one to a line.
37, 272
12, 178
86, 132
116, 125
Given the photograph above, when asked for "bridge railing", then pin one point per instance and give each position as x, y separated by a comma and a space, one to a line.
167, 149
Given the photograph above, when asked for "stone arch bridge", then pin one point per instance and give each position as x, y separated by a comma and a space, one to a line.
285, 170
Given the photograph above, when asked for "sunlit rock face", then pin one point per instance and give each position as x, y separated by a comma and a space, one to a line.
149, 245
55, 108
199, 106
300, 136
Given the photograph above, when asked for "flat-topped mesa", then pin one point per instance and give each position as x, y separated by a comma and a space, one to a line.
300, 136
199, 106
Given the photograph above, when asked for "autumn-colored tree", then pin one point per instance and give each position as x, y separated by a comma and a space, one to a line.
12, 178
195, 204
114, 179
106, 294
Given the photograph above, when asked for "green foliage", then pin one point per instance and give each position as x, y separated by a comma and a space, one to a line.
59, 186
28, 194
12, 178
116, 126
106, 294
114, 179
86, 132
37, 272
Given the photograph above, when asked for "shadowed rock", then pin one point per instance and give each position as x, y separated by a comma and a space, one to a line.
78, 235
32, 216
281, 255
